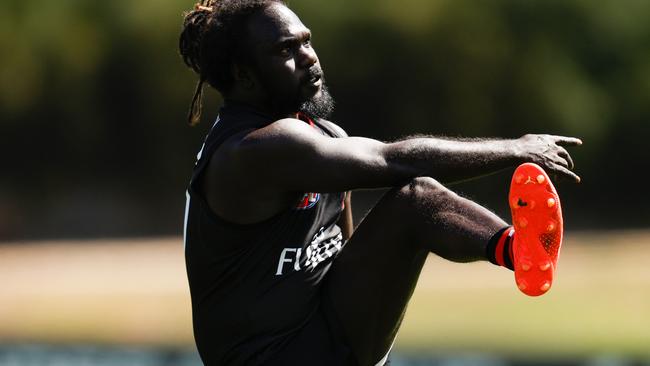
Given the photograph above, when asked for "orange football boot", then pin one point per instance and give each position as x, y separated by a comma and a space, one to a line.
537, 218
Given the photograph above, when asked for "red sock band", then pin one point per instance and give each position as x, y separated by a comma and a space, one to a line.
498, 251
499, 248
504, 248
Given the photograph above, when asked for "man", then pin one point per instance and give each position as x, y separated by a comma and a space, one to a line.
277, 275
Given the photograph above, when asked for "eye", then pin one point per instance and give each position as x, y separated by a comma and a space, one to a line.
285, 51
307, 42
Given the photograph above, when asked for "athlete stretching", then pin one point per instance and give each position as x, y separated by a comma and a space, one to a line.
277, 274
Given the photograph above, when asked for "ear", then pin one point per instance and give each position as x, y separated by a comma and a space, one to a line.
243, 76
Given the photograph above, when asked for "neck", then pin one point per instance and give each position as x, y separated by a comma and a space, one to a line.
264, 107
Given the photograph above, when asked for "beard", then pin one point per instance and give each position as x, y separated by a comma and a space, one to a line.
320, 106
284, 103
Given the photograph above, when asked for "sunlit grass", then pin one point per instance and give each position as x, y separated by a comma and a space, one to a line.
600, 303
135, 292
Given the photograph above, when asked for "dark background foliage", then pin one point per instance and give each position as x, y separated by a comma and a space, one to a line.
93, 99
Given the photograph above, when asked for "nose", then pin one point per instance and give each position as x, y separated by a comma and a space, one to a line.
307, 57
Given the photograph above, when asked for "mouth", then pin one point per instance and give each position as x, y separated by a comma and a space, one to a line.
311, 86
314, 77
315, 81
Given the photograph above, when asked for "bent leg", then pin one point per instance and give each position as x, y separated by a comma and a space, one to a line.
371, 282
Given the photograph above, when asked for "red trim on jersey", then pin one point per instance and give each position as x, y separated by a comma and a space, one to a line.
303, 117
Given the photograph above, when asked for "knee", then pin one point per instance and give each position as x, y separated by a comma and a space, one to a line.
421, 185
424, 190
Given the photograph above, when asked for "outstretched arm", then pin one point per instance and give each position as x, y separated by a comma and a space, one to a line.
462, 159
289, 155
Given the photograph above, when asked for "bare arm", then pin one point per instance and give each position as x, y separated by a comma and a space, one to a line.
463, 159
345, 221
290, 155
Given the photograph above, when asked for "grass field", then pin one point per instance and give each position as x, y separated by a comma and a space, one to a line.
135, 292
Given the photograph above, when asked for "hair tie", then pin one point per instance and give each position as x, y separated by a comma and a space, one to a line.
202, 7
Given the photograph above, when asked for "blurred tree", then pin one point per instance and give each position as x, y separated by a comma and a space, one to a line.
93, 99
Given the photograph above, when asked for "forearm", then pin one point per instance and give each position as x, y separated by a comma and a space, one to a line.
450, 160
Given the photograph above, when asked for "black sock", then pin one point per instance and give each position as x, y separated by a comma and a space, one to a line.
499, 248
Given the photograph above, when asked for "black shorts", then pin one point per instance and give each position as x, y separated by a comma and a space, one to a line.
319, 343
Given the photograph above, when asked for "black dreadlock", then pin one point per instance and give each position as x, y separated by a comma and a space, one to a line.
210, 43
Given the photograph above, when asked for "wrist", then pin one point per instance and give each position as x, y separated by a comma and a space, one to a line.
516, 151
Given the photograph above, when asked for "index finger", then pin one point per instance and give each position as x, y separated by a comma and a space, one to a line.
567, 141
566, 173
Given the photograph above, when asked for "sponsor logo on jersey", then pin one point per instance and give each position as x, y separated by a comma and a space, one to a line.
308, 201
316, 252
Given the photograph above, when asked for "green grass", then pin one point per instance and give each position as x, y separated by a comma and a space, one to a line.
135, 292
599, 303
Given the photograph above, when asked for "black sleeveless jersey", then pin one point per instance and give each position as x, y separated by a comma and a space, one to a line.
255, 286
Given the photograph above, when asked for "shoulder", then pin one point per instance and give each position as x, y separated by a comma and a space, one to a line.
336, 128
281, 131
